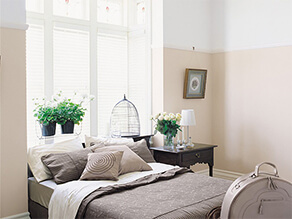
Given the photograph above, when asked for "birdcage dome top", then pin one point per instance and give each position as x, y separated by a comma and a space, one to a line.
125, 119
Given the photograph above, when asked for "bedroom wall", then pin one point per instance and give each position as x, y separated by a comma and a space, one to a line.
252, 119
187, 23
13, 187
249, 24
175, 63
248, 74
13, 123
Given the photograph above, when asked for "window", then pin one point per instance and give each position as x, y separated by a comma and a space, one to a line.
71, 8
98, 47
35, 76
110, 12
112, 81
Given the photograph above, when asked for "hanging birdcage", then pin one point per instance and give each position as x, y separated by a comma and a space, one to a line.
125, 119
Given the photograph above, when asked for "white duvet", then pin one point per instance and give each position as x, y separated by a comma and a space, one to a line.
67, 197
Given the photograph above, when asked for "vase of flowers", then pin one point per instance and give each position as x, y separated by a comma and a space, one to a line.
167, 124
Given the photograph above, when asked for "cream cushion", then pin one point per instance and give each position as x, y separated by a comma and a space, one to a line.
34, 154
141, 149
90, 141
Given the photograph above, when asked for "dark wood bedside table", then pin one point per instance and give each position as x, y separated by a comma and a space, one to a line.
200, 153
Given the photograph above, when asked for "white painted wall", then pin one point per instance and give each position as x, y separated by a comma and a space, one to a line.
250, 24
186, 24
13, 14
223, 25
157, 23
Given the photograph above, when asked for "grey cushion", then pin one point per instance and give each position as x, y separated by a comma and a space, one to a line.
140, 148
66, 166
130, 161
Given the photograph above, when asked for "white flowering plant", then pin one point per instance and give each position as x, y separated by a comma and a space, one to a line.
61, 109
45, 111
71, 109
167, 124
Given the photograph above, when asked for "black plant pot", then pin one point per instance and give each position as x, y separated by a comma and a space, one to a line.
49, 129
68, 127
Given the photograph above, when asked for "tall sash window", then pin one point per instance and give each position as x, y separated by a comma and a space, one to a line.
99, 47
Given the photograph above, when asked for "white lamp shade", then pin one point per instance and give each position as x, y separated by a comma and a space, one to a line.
188, 117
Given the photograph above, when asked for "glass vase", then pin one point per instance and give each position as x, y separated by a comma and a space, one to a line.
168, 141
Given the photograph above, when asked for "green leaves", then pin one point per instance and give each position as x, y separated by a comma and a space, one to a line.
64, 111
46, 114
69, 111
61, 109
167, 127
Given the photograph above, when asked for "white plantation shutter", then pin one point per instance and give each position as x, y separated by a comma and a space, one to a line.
34, 76
104, 53
71, 65
111, 76
138, 80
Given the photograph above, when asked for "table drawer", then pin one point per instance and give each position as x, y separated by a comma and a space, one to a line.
167, 158
197, 156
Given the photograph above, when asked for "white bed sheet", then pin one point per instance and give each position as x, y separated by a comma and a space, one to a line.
41, 192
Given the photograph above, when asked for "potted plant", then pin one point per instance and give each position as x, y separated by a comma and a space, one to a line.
167, 124
70, 111
46, 114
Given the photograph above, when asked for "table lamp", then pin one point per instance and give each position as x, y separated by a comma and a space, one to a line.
188, 119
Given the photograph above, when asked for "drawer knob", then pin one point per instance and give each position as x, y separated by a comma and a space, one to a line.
198, 155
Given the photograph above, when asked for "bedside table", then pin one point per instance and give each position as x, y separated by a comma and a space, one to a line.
200, 153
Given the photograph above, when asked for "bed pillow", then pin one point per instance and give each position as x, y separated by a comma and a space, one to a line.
68, 166
103, 166
89, 141
141, 149
34, 154
130, 161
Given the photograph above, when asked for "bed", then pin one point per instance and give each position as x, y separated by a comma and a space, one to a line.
165, 191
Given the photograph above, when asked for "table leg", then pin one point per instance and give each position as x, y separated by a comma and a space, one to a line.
210, 169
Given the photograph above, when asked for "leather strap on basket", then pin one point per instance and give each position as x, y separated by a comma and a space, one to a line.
271, 184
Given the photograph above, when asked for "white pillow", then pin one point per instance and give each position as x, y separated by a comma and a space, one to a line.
34, 154
89, 141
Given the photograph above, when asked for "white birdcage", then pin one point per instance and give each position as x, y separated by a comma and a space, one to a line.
125, 119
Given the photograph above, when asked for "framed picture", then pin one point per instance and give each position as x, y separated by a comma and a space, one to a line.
195, 83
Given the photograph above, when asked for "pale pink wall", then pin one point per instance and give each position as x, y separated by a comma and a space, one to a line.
13, 148
175, 63
252, 109
247, 110
168, 80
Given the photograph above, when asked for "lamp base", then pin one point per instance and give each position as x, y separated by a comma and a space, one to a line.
190, 144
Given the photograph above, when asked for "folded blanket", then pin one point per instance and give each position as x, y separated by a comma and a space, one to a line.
67, 197
175, 193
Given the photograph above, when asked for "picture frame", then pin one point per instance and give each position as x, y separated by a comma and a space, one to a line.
195, 83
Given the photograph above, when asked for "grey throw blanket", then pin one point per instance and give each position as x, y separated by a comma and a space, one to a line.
177, 193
